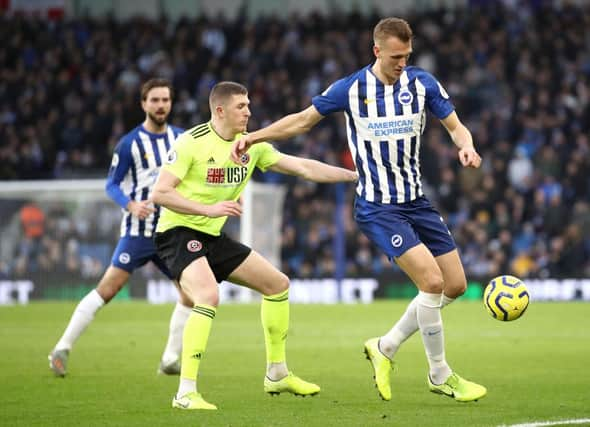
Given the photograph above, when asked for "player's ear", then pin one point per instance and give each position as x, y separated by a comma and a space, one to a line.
376, 50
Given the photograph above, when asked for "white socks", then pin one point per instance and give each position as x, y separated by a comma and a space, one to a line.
186, 386
401, 331
82, 317
445, 300
405, 327
173, 348
276, 371
431, 329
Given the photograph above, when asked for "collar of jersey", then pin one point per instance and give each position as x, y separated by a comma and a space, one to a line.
370, 68
228, 141
143, 129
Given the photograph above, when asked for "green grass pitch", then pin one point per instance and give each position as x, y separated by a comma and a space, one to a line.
535, 369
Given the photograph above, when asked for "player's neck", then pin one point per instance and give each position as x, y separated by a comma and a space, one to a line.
382, 77
225, 133
153, 127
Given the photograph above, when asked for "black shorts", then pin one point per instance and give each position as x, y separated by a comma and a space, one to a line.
180, 246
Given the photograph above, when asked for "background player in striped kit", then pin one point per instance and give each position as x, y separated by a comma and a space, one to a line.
134, 168
384, 105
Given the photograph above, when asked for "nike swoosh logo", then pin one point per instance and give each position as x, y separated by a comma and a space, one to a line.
184, 405
433, 333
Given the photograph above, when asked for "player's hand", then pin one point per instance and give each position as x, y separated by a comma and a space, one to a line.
227, 208
469, 157
239, 148
141, 209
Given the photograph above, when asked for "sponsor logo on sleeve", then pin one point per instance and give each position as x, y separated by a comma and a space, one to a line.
171, 157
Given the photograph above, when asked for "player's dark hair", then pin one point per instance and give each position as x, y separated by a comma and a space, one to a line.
156, 82
224, 90
392, 27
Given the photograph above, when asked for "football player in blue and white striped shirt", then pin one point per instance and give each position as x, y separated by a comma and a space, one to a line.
385, 105
134, 169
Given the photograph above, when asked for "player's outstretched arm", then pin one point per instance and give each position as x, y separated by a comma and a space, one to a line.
313, 170
462, 138
165, 194
287, 127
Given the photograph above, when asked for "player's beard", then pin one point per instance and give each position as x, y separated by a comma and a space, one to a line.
158, 121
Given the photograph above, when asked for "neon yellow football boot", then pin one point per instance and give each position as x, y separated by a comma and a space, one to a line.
382, 367
192, 400
458, 388
291, 384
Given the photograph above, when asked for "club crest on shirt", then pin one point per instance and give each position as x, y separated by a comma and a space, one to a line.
124, 258
115, 160
396, 240
405, 97
245, 158
194, 246
171, 157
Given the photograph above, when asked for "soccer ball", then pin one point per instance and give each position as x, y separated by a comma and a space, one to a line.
506, 298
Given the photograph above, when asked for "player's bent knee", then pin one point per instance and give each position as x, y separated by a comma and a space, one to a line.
281, 284
433, 284
201, 293
184, 299
456, 289
209, 298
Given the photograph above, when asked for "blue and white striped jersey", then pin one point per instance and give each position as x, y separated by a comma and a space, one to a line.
134, 169
384, 126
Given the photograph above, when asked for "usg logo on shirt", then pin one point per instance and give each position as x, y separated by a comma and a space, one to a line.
225, 176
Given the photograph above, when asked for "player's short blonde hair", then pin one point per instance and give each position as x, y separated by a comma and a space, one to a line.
392, 27
222, 91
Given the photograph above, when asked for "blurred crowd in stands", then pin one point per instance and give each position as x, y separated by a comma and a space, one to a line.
518, 74
57, 237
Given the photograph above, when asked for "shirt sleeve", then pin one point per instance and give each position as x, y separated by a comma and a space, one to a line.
267, 156
437, 98
333, 99
120, 165
179, 159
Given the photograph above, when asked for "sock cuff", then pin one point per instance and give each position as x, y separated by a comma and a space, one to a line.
429, 300
205, 310
445, 300
281, 296
96, 298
